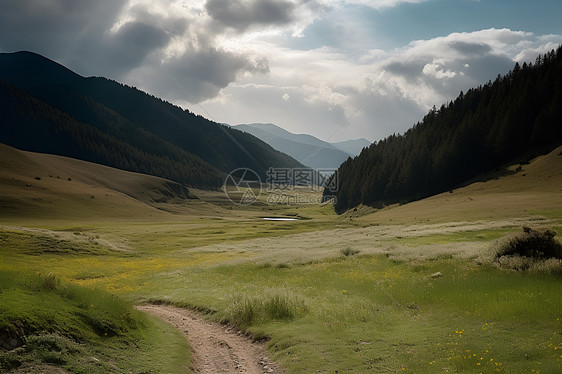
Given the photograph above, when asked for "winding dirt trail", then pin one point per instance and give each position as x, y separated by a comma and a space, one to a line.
216, 348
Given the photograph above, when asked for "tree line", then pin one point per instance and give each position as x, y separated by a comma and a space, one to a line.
519, 114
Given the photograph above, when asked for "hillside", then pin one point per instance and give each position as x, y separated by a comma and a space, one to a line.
514, 191
36, 185
517, 116
307, 149
48, 108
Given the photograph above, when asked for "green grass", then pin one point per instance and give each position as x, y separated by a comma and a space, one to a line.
36, 244
370, 313
44, 321
366, 303
351, 312
245, 311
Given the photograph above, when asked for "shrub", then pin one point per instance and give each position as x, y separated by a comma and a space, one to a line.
531, 250
349, 252
533, 244
55, 358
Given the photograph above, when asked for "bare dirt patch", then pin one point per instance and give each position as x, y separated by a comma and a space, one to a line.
216, 348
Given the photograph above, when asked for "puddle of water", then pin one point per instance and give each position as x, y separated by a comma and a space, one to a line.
279, 219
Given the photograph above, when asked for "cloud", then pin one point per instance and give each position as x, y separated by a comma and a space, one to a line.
433, 71
131, 40
115, 53
241, 60
248, 103
381, 4
436, 70
470, 48
196, 75
338, 96
240, 14
545, 43
53, 27
80, 33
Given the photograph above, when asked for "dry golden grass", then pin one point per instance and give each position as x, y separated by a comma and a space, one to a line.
39, 186
517, 191
413, 242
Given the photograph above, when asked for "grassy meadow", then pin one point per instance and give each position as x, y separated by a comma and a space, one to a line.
413, 288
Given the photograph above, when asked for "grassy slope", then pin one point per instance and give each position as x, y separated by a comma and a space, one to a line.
376, 311
74, 189
83, 330
515, 191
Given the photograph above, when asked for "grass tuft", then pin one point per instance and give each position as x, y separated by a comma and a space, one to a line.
245, 311
50, 282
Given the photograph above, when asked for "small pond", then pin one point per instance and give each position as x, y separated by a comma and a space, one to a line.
279, 219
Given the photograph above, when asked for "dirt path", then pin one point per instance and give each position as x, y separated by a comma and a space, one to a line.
216, 348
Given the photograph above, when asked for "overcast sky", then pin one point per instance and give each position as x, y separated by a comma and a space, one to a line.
336, 69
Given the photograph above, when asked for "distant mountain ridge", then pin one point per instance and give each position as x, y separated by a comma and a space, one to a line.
353, 146
518, 115
307, 149
46, 107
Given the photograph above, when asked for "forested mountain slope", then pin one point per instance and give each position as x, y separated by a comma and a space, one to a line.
517, 114
47, 108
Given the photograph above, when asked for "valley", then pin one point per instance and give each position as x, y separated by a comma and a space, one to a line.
408, 288
138, 237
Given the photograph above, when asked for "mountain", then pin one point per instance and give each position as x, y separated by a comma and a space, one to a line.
307, 149
48, 108
517, 116
353, 147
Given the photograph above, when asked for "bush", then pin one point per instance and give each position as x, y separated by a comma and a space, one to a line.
533, 244
349, 252
531, 250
